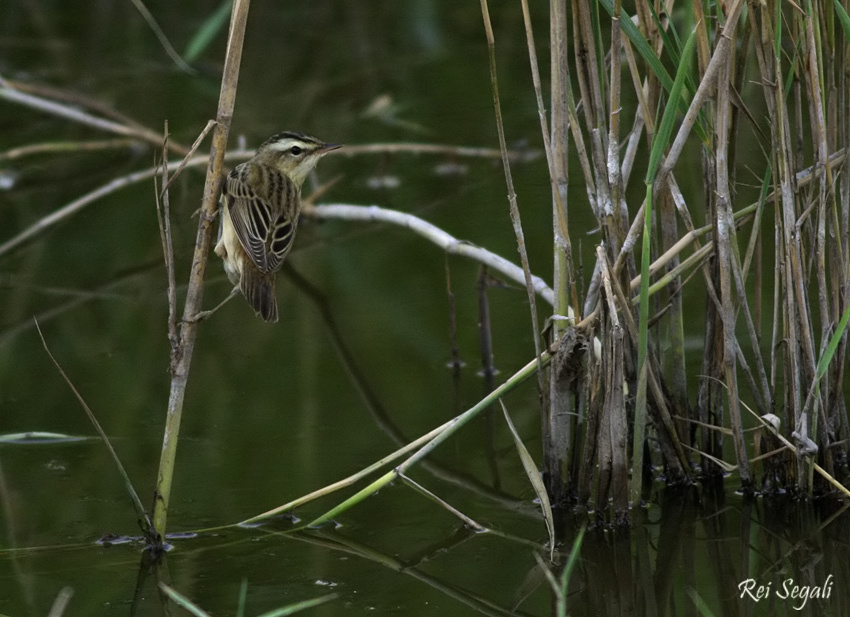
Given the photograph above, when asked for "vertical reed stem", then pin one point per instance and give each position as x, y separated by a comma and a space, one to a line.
724, 225
558, 426
195, 292
512, 201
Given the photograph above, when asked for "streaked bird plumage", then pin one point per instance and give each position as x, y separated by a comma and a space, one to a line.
260, 204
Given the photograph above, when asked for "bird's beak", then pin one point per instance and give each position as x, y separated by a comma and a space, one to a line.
328, 148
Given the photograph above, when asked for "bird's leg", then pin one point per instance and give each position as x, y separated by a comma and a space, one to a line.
201, 316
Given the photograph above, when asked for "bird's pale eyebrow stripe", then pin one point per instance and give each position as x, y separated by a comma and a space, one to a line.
286, 144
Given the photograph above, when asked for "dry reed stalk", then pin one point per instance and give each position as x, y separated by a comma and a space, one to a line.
724, 225
119, 125
615, 401
512, 198
485, 336
799, 356
619, 211
182, 355
66, 147
587, 453
604, 447
559, 423
416, 148
668, 437
672, 337
556, 166
456, 362
163, 216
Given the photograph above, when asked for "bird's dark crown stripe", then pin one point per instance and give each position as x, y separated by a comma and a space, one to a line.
291, 135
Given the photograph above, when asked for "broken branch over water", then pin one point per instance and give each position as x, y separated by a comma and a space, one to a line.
443, 239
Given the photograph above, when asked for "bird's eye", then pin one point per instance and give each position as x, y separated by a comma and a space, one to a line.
295, 150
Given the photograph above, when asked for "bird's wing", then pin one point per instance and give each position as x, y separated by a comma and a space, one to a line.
264, 219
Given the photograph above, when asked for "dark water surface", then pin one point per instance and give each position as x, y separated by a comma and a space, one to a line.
274, 412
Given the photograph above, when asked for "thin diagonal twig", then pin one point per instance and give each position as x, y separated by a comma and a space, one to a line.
144, 520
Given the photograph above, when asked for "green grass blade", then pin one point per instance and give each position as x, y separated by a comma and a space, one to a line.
450, 428
61, 602
600, 48
211, 28
843, 17
182, 601
702, 607
352, 501
299, 606
243, 598
823, 363
572, 560
646, 52
665, 130
673, 46
655, 65
534, 478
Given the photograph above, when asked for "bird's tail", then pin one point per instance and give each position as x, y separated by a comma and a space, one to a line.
258, 289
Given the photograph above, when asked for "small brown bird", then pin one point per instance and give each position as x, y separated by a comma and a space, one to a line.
260, 204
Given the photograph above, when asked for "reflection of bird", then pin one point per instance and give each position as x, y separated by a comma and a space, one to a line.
260, 203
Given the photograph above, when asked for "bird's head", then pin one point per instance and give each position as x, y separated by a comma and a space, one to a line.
294, 154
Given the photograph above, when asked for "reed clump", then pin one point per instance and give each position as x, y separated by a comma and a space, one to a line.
767, 399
